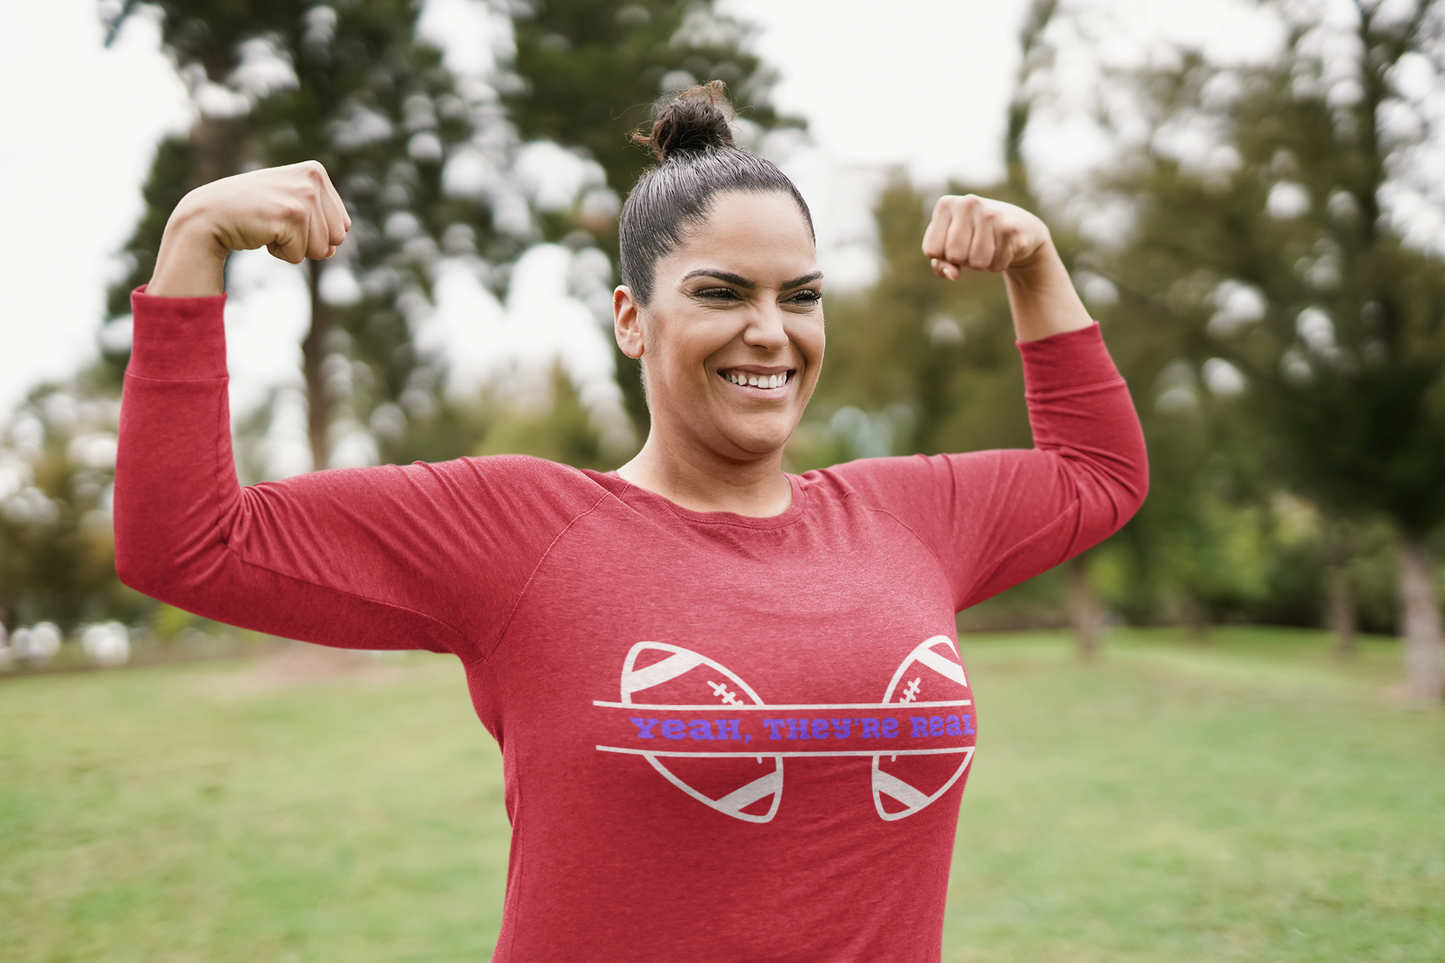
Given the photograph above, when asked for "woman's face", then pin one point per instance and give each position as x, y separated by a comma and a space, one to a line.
732, 340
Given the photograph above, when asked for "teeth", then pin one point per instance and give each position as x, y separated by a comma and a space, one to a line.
757, 381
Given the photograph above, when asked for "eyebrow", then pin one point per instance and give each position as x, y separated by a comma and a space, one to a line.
743, 282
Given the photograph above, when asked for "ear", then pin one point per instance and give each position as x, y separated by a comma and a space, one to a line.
627, 322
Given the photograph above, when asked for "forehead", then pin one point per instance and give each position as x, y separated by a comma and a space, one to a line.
757, 235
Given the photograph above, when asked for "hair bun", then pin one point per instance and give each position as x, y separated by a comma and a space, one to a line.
697, 120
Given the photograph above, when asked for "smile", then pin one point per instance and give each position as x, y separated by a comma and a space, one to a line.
752, 379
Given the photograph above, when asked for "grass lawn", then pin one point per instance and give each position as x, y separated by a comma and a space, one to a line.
1248, 799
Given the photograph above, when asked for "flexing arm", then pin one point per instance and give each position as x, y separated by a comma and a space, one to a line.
294, 212
986, 235
996, 518
423, 556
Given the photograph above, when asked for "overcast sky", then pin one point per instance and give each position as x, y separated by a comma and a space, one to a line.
919, 83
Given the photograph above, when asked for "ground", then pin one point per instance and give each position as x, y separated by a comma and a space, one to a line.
1249, 797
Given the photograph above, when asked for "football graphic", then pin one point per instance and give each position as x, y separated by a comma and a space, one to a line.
904, 785
662, 675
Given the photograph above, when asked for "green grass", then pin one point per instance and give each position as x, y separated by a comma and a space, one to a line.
1249, 799
191, 813
1252, 799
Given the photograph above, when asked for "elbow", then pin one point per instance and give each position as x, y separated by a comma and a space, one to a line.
132, 569
1118, 492
1138, 492
1129, 476
145, 562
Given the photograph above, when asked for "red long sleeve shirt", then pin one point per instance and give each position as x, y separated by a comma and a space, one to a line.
724, 738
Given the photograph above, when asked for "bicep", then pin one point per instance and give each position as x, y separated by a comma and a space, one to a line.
993, 519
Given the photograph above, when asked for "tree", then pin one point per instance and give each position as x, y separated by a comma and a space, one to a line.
57, 461
1283, 260
349, 85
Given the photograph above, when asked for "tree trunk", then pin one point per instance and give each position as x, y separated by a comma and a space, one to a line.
1341, 610
313, 353
1340, 615
1084, 610
219, 142
1420, 608
1196, 617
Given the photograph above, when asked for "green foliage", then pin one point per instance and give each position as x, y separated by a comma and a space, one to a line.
551, 424
559, 430
56, 547
172, 174
591, 70
1345, 362
1269, 263
380, 111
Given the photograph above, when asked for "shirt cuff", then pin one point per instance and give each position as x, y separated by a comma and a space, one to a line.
1067, 362
178, 339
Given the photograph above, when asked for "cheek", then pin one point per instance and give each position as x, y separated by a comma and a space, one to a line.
680, 349
811, 341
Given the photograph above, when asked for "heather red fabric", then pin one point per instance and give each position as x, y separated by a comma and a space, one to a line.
724, 738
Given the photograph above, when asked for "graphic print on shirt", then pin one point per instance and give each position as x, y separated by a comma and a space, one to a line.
707, 731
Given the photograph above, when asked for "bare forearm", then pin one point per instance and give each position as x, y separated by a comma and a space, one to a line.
191, 262
1043, 298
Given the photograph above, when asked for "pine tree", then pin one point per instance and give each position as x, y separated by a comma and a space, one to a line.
350, 86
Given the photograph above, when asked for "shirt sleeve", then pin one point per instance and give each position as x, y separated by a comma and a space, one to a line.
996, 518
422, 556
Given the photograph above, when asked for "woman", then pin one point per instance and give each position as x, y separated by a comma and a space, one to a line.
733, 718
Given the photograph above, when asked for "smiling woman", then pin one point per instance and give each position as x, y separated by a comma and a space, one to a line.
651, 647
732, 344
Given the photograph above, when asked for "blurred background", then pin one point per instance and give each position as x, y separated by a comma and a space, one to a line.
1248, 195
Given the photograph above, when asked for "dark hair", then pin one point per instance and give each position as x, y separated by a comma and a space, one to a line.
692, 139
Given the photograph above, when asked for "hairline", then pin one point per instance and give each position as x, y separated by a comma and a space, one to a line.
687, 225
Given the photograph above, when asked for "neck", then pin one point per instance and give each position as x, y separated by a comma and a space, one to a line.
706, 482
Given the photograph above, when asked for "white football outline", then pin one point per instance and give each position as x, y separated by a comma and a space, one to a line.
890, 785
681, 661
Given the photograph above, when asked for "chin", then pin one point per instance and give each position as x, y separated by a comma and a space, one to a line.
759, 440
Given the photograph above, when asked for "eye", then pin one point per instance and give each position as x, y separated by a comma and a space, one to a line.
717, 294
806, 296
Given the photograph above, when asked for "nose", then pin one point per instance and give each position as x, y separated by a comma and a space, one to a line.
765, 328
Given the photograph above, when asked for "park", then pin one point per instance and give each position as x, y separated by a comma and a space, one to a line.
1204, 725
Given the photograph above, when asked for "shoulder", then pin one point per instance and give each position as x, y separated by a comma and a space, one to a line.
495, 486
910, 484
520, 477
893, 477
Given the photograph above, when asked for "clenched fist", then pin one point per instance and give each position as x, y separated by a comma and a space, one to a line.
986, 235
981, 234
294, 212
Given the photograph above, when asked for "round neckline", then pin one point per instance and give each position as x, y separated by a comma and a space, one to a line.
785, 517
